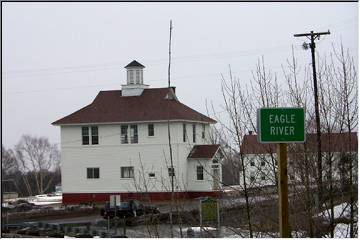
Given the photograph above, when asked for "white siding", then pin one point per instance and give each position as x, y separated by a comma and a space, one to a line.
150, 154
204, 185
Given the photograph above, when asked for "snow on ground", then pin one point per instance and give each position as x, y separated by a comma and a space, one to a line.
342, 210
229, 232
341, 230
44, 203
197, 229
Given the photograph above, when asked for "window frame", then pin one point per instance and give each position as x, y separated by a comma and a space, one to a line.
184, 132
252, 178
137, 76
127, 170
199, 172
131, 77
93, 173
263, 176
94, 137
83, 129
134, 135
124, 138
151, 130
203, 131
171, 171
194, 132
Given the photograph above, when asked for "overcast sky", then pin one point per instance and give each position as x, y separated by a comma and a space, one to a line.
56, 57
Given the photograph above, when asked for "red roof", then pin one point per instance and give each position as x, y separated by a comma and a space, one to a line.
151, 105
333, 142
204, 151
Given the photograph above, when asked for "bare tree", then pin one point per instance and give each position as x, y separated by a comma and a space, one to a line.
39, 157
8, 161
346, 86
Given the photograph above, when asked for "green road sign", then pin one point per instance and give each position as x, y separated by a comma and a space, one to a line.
281, 125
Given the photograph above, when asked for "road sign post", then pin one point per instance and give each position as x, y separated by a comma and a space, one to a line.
281, 126
283, 191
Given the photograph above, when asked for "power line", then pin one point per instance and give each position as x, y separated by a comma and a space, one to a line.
117, 83
110, 66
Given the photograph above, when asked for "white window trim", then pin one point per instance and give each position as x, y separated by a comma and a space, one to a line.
202, 173
133, 172
93, 178
148, 130
90, 135
131, 77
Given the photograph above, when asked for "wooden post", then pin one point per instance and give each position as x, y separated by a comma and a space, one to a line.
283, 191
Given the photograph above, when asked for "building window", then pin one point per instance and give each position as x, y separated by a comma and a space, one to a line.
124, 134
171, 171
199, 172
93, 173
184, 132
252, 163
203, 131
131, 76
85, 135
94, 135
263, 176
194, 132
137, 76
127, 172
152, 175
215, 166
150, 130
133, 134
252, 178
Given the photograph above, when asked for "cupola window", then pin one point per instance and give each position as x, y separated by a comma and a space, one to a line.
131, 77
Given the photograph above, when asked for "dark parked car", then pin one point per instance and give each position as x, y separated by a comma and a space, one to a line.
127, 209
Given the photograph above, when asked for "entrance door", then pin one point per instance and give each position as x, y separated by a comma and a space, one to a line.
216, 177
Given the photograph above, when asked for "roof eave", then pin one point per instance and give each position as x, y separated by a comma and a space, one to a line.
58, 123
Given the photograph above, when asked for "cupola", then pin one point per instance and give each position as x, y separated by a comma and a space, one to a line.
134, 71
134, 79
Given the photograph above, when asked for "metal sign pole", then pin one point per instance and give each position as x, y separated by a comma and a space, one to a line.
218, 218
108, 227
200, 211
283, 191
124, 227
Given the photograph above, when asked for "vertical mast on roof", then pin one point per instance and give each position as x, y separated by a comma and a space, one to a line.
169, 138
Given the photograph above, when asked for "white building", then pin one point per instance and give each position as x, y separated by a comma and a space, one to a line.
118, 144
260, 160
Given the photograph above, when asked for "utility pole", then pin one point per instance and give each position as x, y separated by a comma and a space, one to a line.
312, 36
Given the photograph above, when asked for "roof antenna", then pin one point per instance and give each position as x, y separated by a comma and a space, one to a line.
169, 138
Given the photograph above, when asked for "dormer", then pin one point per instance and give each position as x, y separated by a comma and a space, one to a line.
134, 80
